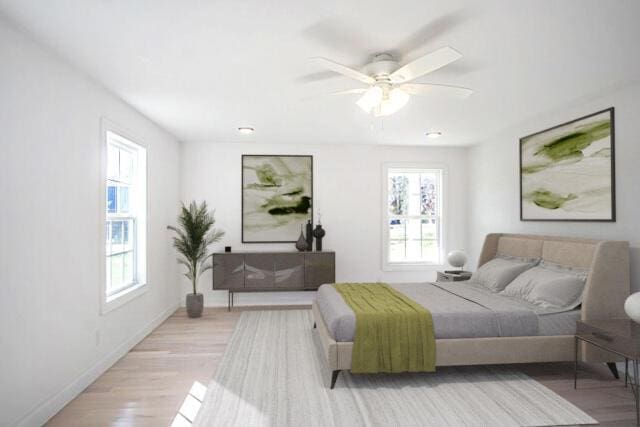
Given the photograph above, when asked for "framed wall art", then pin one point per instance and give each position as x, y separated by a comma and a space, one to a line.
277, 195
567, 172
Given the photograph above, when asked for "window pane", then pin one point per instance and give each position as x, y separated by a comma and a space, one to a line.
430, 251
117, 244
117, 267
398, 194
397, 239
428, 194
107, 233
397, 250
126, 166
414, 193
123, 199
397, 229
127, 269
414, 240
116, 232
113, 162
429, 229
108, 273
112, 199
127, 235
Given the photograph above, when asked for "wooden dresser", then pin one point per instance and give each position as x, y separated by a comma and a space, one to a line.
272, 271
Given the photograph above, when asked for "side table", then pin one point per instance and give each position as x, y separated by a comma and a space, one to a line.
453, 276
617, 336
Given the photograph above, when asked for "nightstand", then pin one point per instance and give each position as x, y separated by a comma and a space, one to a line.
618, 336
453, 276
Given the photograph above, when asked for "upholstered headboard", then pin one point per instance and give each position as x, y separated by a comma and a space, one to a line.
607, 261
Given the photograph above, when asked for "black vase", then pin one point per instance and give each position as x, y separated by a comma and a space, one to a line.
309, 235
301, 244
319, 233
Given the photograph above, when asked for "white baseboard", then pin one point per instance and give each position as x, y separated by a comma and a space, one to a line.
41, 414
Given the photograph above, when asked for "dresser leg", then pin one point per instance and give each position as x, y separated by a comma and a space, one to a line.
575, 364
626, 372
636, 392
614, 370
334, 378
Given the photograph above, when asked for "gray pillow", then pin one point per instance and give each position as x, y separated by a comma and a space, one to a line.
549, 286
500, 271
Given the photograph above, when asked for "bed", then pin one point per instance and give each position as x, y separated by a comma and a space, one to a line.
475, 326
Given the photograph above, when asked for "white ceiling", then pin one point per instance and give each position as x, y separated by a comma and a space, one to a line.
202, 68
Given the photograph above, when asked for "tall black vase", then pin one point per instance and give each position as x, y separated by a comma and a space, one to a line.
318, 233
301, 244
309, 235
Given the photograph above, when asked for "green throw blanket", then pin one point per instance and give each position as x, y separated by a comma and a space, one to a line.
393, 333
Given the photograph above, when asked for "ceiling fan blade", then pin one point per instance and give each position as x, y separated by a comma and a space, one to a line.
344, 70
432, 89
349, 91
340, 92
425, 64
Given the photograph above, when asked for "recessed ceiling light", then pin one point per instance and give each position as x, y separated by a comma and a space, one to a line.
434, 134
246, 130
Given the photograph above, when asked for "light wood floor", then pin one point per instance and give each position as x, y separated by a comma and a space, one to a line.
148, 385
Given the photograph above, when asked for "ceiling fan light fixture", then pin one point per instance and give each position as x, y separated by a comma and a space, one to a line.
371, 99
396, 99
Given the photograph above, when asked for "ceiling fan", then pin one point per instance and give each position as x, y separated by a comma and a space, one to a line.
389, 82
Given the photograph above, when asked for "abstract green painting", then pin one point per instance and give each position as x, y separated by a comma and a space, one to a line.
277, 192
567, 172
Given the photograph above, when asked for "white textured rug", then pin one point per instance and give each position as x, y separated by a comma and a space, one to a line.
272, 374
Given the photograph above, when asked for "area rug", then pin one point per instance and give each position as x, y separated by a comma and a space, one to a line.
272, 374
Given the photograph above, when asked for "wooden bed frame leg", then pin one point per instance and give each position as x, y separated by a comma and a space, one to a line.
614, 370
334, 378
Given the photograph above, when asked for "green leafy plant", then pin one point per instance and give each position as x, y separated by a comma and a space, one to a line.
194, 234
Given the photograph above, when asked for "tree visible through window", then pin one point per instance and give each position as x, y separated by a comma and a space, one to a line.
412, 217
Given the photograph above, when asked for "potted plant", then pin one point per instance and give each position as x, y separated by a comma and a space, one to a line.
194, 234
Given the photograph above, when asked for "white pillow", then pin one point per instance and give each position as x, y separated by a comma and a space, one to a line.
549, 286
500, 271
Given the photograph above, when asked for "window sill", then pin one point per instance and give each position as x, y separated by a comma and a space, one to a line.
412, 267
121, 298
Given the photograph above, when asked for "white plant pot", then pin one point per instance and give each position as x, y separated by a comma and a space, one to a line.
632, 307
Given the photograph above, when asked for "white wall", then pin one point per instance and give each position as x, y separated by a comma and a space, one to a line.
347, 191
494, 178
54, 341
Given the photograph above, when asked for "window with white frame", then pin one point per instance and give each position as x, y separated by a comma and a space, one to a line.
412, 217
125, 226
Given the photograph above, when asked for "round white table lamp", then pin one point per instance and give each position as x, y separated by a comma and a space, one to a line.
632, 307
457, 258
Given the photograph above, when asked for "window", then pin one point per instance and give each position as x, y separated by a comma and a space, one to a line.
412, 217
125, 216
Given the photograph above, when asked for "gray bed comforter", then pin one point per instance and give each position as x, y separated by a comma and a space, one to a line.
459, 310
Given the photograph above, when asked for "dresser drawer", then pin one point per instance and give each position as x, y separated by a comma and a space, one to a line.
448, 277
621, 343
